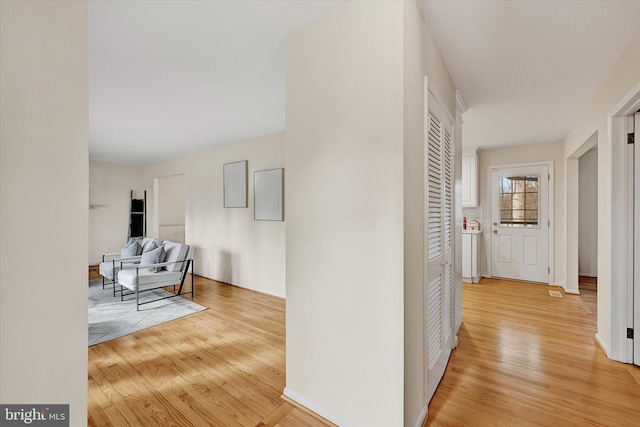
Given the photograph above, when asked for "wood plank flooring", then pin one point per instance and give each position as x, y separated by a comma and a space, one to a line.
589, 294
528, 359
524, 359
224, 366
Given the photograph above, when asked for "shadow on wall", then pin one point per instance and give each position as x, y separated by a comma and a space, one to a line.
227, 266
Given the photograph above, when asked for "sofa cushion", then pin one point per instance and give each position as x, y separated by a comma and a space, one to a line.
107, 268
131, 249
154, 256
175, 252
148, 279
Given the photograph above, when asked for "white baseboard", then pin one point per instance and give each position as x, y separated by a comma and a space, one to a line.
324, 413
602, 344
571, 291
422, 417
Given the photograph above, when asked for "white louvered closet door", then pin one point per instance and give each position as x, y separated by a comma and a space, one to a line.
438, 287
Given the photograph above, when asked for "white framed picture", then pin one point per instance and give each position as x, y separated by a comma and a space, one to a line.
268, 194
235, 184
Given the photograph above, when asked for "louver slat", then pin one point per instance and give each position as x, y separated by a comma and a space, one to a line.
434, 185
434, 318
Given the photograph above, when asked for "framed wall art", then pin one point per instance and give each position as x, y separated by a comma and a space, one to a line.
235, 184
268, 193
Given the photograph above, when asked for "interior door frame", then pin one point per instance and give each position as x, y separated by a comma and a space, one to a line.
551, 251
616, 267
633, 289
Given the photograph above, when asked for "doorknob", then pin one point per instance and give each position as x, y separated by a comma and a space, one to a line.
495, 231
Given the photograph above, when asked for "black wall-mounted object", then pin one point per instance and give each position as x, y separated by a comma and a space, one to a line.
138, 217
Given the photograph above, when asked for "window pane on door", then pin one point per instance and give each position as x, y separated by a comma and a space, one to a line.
519, 201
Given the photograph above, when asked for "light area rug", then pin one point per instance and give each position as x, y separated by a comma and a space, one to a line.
110, 318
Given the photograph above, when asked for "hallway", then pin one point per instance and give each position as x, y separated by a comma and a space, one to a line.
526, 358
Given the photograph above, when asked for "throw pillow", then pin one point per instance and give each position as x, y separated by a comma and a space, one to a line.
151, 257
149, 245
131, 249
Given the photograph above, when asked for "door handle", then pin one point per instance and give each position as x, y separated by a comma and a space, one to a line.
495, 224
495, 231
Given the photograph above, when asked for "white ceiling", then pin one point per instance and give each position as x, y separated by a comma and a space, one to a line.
172, 77
526, 69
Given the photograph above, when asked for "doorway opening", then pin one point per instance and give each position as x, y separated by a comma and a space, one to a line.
588, 231
169, 204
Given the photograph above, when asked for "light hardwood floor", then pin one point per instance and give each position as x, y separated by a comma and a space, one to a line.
528, 359
524, 358
224, 366
589, 294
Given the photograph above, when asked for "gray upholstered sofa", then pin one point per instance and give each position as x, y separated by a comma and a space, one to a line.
145, 264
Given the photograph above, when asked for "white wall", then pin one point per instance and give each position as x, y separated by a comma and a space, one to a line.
110, 186
43, 204
344, 186
421, 57
594, 120
521, 154
588, 214
230, 245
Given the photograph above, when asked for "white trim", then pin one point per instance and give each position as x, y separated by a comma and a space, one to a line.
552, 217
570, 291
629, 104
460, 105
324, 413
422, 417
620, 256
616, 139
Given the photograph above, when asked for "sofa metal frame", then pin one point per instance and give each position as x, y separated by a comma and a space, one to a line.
122, 261
185, 270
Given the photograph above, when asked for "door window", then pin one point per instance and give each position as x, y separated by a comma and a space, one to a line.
519, 201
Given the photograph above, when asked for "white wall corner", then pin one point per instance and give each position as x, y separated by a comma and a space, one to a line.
469, 151
323, 412
602, 344
460, 105
422, 417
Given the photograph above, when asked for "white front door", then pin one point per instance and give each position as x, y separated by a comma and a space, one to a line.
520, 223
